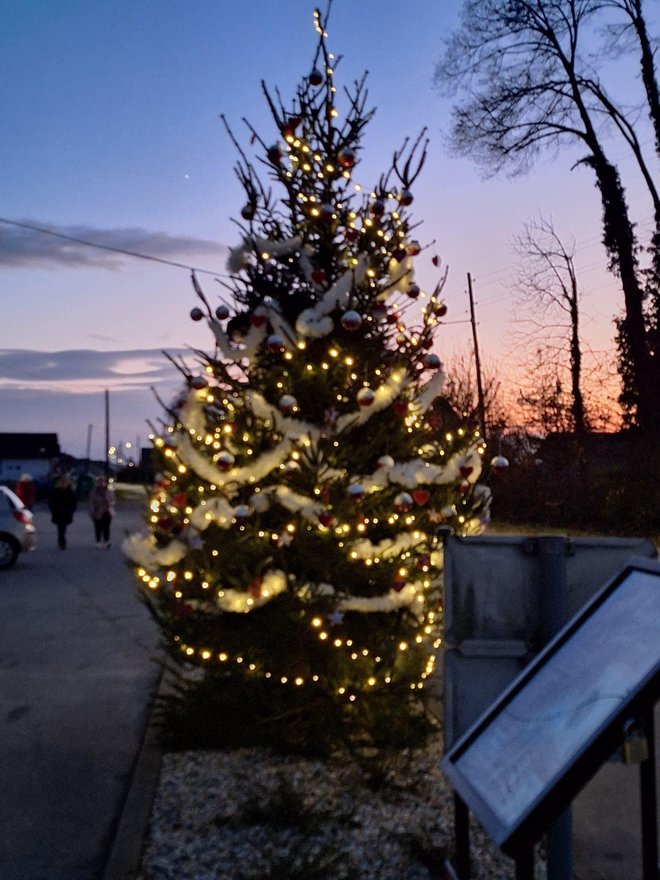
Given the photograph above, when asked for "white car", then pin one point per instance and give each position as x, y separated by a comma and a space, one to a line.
17, 530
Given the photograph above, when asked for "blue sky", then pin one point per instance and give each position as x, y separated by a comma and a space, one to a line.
111, 133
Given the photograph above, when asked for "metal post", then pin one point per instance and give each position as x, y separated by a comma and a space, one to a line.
462, 837
554, 587
107, 433
649, 798
525, 864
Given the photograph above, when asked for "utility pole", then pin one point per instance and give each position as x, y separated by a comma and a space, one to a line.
477, 361
89, 448
107, 433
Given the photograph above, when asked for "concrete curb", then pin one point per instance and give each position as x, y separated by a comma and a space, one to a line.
124, 857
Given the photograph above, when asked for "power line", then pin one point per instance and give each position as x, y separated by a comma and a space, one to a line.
108, 247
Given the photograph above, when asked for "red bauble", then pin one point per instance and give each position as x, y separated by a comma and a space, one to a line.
287, 404
248, 212
465, 470
399, 254
225, 461
275, 344
499, 464
398, 584
326, 519
356, 492
440, 309
406, 198
315, 77
392, 318
413, 291
431, 361
414, 248
319, 276
436, 260
351, 321
257, 320
196, 314
221, 313
274, 154
351, 233
365, 397
326, 212
347, 158
400, 407
199, 382
378, 208
403, 502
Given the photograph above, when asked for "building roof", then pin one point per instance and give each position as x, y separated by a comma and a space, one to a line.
29, 446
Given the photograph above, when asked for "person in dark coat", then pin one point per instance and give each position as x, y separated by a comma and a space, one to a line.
62, 503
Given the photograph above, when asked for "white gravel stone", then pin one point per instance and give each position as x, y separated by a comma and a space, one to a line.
248, 814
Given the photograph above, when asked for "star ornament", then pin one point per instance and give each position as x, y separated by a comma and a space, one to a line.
336, 618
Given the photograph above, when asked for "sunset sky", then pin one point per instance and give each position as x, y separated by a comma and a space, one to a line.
111, 134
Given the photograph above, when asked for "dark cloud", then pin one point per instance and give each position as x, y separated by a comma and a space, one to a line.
141, 367
20, 246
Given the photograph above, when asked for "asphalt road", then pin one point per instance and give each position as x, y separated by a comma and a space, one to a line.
77, 670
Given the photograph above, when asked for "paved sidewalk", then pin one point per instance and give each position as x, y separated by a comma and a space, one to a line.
76, 678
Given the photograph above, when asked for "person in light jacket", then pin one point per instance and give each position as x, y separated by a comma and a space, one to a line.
102, 509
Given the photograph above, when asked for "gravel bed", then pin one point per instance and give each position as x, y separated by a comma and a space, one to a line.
251, 815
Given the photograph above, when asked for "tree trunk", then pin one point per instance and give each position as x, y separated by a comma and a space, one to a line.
619, 241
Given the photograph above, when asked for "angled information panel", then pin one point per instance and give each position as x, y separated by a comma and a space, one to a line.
541, 741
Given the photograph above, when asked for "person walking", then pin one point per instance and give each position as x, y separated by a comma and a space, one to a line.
26, 489
62, 503
102, 509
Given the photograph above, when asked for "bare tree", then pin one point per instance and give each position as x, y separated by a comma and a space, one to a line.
630, 33
527, 86
460, 390
547, 288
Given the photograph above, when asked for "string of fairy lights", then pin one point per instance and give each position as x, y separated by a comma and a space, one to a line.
210, 467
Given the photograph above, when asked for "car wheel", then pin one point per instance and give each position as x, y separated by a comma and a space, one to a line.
8, 551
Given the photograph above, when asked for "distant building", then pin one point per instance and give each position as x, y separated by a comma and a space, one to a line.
33, 454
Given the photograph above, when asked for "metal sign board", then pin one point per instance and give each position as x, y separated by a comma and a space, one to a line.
545, 736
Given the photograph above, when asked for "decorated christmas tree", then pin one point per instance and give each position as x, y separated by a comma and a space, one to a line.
291, 555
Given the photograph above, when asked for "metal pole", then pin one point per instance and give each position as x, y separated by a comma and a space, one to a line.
477, 361
107, 433
89, 448
649, 797
462, 837
553, 602
525, 864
